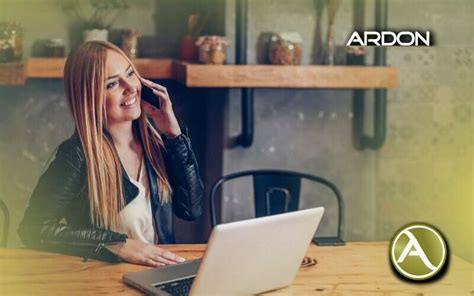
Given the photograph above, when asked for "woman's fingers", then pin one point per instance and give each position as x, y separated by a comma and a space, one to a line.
168, 257
153, 263
162, 260
158, 259
164, 96
157, 89
173, 257
149, 108
152, 84
138, 252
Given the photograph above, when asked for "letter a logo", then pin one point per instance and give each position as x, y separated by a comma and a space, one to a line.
418, 251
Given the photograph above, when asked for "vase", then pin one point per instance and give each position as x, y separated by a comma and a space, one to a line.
187, 49
95, 34
130, 43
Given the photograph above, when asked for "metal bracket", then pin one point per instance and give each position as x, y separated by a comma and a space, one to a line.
361, 140
245, 139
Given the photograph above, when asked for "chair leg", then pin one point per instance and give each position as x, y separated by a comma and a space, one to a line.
6, 223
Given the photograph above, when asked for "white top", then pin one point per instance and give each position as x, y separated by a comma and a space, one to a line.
136, 218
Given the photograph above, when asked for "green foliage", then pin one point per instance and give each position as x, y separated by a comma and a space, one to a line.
94, 14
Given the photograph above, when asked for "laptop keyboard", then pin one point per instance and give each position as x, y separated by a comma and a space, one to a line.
178, 287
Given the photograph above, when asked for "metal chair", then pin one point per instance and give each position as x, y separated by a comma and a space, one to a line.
278, 191
6, 223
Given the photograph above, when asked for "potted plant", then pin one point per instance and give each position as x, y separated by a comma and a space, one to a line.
95, 17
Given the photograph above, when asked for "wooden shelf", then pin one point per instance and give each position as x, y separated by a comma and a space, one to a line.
53, 68
254, 76
155, 68
12, 73
269, 76
44, 67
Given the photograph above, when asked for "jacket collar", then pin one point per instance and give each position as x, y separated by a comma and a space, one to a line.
131, 191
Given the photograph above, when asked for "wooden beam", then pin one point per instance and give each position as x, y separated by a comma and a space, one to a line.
155, 68
269, 76
54, 67
12, 73
229, 76
44, 67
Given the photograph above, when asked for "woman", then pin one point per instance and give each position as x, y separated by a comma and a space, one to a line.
112, 189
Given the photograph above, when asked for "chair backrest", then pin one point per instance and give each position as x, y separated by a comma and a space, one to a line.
276, 192
6, 223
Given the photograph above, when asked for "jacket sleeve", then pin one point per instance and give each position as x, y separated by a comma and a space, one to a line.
183, 174
42, 228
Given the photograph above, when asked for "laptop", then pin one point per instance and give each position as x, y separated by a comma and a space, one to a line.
241, 258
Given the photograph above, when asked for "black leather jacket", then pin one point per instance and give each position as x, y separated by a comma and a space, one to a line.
61, 193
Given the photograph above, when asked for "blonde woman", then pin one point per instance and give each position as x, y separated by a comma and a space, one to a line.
113, 186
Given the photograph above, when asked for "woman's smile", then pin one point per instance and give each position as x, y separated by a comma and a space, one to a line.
130, 102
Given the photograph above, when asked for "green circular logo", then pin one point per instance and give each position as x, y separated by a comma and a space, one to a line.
418, 251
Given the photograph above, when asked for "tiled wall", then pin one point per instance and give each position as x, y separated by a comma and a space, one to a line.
424, 172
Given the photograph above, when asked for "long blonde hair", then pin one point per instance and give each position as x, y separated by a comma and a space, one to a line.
84, 80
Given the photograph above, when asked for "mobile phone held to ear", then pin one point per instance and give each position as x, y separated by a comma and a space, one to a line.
148, 96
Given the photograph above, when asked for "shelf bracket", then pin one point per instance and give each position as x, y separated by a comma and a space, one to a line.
245, 139
361, 140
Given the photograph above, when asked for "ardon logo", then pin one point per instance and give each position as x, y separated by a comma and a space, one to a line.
390, 38
418, 251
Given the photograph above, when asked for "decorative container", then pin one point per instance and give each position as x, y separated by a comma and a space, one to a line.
55, 48
187, 49
285, 48
10, 42
130, 43
95, 34
211, 49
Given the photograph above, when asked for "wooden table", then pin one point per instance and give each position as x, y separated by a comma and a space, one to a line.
354, 269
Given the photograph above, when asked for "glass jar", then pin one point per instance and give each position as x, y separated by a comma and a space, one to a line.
130, 43
10, 42
285, 49
211, 49
55, 48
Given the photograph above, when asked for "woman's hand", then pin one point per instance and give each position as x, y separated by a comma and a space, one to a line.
137, 252
164, 117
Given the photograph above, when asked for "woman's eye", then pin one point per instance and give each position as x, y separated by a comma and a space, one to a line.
131, 73
111, 84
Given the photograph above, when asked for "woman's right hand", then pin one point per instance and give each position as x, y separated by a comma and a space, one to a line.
137, 252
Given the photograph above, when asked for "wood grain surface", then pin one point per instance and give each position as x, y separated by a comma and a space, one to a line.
354, 269
268, 76
255, 76
54, 67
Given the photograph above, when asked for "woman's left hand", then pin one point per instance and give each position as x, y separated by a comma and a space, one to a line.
164, 117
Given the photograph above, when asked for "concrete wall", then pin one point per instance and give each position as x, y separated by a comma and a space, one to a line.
302, 130
424, 171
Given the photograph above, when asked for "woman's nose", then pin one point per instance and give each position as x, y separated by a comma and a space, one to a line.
128, 86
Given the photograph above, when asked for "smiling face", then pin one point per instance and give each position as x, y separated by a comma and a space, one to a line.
122, 93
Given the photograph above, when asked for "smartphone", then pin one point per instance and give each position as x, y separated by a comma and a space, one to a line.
148, 96
328, 241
